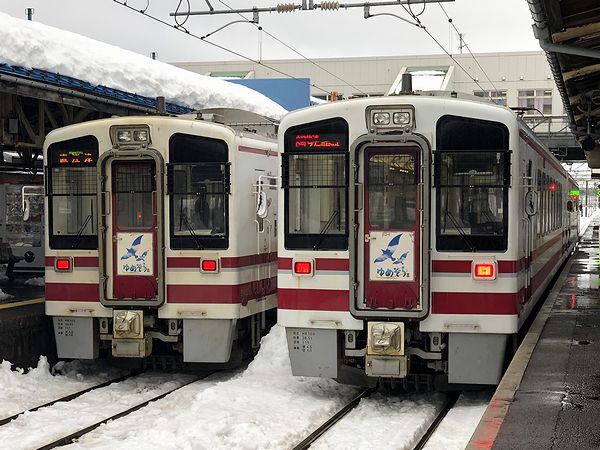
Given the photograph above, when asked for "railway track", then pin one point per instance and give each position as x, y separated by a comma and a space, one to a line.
103, 403
311, 438
315, 435
452, 398
73, 436
70, 397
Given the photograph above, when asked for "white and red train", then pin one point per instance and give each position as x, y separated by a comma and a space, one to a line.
418, 233
161, 236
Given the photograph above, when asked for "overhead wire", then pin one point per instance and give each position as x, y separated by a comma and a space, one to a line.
419, 24
451, 22
261, 28
214, 44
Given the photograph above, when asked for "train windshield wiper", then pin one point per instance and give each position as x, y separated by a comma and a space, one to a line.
325, 229
191, 231
80, 231
460, 230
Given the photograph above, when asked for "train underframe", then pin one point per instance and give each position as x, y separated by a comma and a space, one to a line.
398, 353
139, 338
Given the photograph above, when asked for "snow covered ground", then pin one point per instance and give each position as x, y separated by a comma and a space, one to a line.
44, 426
458, 426
264, 407
37, 281
4, 295
34, 45
20, 391
383, 422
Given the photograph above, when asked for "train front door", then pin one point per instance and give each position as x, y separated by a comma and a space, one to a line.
133, 250
391, 227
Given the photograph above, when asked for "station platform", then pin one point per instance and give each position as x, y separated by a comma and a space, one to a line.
25, 331
549, 397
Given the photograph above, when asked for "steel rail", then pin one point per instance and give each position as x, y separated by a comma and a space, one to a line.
68, 398
306, 443
452, 398
66, 440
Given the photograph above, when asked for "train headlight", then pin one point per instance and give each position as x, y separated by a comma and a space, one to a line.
140, 135
402, 118
381, 118
123, 136
130, 136
385, 338
390, 119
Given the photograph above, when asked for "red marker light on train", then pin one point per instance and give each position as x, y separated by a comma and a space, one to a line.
63, 265
552, 187
303, 268
209, 265
484, 271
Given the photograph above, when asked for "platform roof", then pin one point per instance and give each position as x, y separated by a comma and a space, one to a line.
569, 32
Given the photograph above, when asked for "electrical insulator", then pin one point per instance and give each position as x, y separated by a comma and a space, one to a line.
329, 6
286, 7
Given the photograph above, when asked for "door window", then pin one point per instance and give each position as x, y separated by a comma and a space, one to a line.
392, 191
133, 188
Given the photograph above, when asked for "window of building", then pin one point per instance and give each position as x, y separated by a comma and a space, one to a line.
498, 97
536, 99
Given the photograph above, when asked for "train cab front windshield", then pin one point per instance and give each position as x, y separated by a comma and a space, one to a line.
198, 187
315, 183
472, 177
71, 185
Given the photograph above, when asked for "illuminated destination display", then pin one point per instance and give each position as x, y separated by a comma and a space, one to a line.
318, 141
75, 158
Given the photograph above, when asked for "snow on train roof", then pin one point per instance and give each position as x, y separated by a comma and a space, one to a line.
34, 45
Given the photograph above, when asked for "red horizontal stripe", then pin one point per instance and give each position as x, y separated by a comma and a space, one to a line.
320, 264
226, 262
78, 261
313, 299
258, 151
474, 303
218, 293
66, 292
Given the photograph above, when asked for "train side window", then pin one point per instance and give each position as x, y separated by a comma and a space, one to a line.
71, 189
472, 179
199, 187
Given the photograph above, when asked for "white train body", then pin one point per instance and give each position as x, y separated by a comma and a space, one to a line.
153, 241
417, 234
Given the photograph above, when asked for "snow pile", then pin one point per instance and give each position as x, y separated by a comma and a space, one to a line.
34, 45
383, 422
38, 281
458, 426
4, 295
20, 390
264, 407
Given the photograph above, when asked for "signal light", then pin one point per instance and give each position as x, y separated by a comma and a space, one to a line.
552, 187
209, 265
63, 265
484, 271
303, 268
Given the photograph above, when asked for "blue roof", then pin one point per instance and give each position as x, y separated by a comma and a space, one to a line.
84, 86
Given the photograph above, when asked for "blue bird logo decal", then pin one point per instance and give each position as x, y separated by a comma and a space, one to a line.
132, 251
388, 253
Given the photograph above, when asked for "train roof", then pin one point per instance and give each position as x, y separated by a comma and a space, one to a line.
236, 120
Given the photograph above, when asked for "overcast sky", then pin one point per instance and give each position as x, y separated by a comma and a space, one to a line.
488, 26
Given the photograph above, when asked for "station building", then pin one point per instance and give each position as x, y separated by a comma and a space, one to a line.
515, 78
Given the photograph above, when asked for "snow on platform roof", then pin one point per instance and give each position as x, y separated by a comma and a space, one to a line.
34, 45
